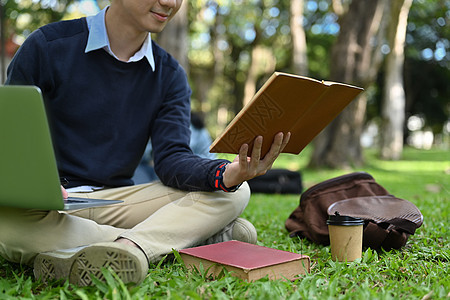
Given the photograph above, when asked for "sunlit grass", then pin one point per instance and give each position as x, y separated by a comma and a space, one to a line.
420, 270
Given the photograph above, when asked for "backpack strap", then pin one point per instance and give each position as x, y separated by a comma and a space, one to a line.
395, 240
376, 237
403, 224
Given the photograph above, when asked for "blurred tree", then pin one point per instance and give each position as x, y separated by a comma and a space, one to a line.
393, 107
174, 37
232, 47
20, 18
426, 69
299, 51
354, 62
427, 63
27, 15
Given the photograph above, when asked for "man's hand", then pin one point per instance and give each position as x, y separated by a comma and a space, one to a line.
64, 193
244, 167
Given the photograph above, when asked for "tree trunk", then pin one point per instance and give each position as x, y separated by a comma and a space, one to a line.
299, 57
338, 146
393, 109
204, 77
263, 62
174, 37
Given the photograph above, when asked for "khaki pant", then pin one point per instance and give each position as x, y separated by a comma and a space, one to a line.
156, 217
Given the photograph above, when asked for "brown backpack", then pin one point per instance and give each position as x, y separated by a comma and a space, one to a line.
389, 221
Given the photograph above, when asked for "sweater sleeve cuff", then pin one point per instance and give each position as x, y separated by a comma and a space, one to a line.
218, 179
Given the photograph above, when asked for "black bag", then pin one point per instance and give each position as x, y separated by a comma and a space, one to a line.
389, 221
277, 181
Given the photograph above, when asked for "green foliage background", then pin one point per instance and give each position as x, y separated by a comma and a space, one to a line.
240, 25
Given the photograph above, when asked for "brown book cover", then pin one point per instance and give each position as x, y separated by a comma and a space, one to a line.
286, 102
246, 261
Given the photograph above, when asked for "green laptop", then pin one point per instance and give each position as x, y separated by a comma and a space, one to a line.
28, 172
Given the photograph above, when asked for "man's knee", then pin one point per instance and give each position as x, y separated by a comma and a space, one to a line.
241, 197
16, 226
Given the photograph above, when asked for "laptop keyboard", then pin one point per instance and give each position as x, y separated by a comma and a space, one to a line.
68, 201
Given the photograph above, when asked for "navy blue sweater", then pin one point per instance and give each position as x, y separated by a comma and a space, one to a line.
102, 111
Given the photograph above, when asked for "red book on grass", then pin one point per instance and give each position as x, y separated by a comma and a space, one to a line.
246, 261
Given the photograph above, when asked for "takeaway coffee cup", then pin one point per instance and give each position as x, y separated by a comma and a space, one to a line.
345, 237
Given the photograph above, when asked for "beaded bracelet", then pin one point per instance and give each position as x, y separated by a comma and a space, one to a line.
218, 179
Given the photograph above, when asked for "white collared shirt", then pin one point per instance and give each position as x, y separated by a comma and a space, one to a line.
98, 39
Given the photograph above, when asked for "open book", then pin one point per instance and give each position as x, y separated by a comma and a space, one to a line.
286, 103
246, 261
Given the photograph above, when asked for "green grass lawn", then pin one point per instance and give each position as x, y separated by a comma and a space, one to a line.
420, 270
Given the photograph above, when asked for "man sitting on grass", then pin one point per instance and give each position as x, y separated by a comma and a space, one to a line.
108, 88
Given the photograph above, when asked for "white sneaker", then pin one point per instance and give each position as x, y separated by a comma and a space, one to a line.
240, 229
244, 231
79, 264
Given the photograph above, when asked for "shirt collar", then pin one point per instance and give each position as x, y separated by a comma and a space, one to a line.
98, 39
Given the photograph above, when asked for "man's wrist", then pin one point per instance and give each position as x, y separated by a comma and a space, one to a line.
218, 179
